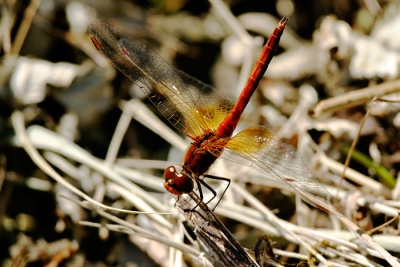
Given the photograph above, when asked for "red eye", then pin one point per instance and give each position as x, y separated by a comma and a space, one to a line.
169, 173
177, 183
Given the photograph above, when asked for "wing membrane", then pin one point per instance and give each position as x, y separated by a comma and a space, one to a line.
174, 93
259, 147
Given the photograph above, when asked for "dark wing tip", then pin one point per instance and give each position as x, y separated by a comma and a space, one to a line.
95, 27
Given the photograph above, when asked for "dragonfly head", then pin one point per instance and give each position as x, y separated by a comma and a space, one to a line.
176, 182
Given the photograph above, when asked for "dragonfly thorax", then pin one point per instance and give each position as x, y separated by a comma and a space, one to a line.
177, 182
202, 153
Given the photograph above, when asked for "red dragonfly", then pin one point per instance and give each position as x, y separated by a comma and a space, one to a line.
208, 119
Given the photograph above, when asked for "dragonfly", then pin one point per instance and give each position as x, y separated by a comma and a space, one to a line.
196, 110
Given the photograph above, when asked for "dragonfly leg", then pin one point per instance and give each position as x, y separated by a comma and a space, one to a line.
176, 202
220, 179
201, 198
209, 188
201, 193
201, 182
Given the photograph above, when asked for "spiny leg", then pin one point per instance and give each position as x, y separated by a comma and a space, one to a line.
219, 179
201, 182
201, 197
209, 188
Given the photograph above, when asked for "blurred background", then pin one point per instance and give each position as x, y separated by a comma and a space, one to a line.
72, 101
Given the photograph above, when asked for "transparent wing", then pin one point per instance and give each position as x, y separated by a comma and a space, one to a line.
259, 147
188, 104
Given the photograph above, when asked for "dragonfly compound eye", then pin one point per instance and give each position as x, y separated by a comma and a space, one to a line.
177, 183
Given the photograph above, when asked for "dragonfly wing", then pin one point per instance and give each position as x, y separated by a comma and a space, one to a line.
259, 147
179, 101
212, 107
